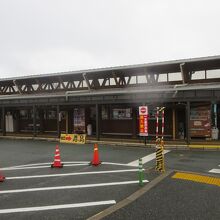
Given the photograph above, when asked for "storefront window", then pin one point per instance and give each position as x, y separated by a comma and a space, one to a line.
121, 113
23, 114
92, 113
79, 120
51, 114
105, 113
32, 114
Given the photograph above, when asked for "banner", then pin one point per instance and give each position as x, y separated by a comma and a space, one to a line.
143, 120
73, 138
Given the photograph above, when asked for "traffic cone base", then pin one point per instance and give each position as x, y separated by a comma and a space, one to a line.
95, 163
2, 178
57, 161
57, 165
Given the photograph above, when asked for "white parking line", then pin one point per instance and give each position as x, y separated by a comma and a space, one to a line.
39, 164
71, 174
117, 164
214, 171
65, 206
66, 164
40, 167
145, 159
69, 187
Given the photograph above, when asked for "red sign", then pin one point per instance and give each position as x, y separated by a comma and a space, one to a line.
68, 138
143, 121
143, 110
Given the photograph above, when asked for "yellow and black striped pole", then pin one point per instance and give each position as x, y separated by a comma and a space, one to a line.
159, 142
160, 158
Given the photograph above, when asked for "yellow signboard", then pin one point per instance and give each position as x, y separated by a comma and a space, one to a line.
73, 138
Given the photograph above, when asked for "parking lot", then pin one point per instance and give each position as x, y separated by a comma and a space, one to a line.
31, 183
32, 190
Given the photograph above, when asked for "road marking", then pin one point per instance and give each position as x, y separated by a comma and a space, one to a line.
70, 187
131, 198
145, 159
197, 178
117, 164
66, 164
214, 171
71, 174
38, 164
40, 167
52, 207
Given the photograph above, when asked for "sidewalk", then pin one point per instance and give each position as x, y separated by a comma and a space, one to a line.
201, 145
168, 198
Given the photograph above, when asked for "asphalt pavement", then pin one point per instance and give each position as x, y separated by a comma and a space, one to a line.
174, 199
32, 190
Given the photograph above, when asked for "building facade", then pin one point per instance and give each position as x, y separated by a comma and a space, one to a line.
104, 102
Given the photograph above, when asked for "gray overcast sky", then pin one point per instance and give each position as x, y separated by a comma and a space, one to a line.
46, 36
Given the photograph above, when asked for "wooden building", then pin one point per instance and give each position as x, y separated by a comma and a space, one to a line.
107, 100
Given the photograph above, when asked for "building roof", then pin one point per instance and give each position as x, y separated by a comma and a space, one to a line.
194, 64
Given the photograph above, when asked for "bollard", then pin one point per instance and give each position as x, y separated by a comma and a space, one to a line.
157, 153
163, 161
160, 158
140, 173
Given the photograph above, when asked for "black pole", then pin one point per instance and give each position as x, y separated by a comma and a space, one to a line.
34, 121
58, 121
188, 122
3, 121
97, 122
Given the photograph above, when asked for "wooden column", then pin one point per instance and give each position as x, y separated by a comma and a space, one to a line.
174, 124
3, 121
58, 121
41, 116
67, 121
34, 121
188, 122
134, 122
98, 119
70, 121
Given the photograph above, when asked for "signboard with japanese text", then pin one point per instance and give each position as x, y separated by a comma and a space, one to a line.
200, 121
143, 120
73, 138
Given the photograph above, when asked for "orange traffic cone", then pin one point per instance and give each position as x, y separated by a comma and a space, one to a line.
2, 178
57, 161
95, 160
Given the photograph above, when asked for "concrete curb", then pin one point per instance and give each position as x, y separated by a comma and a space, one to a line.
130, 198
127, 144
29, 138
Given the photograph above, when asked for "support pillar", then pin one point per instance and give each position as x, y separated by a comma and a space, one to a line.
34, 121
58, 121
67, 121
70, 121
214, 105
174, 124
41, 116
3, 121
134, 122
188, 122
98, 119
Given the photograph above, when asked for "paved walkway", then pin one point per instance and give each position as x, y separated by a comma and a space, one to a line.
173, 198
